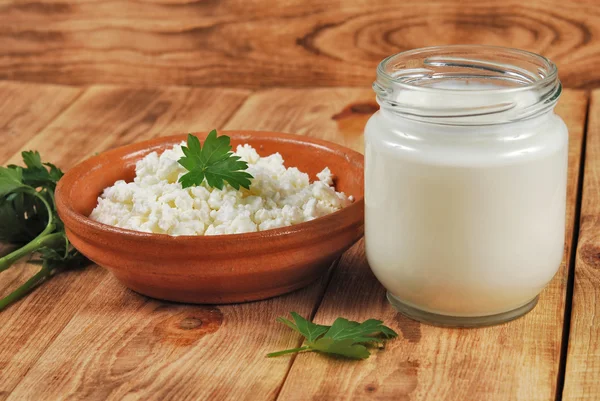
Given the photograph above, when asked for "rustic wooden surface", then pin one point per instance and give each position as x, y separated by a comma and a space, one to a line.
84, 336
582, 380
252, 44
519, 360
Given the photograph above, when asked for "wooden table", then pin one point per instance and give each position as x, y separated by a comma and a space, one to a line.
83, 336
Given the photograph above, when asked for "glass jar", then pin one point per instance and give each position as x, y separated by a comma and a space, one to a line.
465, 182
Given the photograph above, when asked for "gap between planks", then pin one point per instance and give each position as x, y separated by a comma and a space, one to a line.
572, 259
583, 353
311, 316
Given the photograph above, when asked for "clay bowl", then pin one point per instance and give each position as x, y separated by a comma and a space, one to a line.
223, 268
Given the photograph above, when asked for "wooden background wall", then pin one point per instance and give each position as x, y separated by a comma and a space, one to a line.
254, 44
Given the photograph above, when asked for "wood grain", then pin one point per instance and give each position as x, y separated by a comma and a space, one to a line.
120, 345
125, 346
84, 336
24, 110
582, 381
334, 114
254, 44
101, 118
27, 108
514, 361
105, 117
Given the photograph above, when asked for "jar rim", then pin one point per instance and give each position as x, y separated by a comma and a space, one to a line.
454, 84
550, 76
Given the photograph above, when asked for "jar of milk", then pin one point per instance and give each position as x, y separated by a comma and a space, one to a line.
465, 182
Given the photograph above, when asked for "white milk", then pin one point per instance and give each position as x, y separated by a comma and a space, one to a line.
465, 220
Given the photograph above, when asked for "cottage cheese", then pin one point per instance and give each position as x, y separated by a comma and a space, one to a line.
156, 203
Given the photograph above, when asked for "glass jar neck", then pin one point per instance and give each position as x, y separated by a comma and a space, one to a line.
467, 85
430, 128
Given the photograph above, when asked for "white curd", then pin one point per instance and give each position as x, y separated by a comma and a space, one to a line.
155, 201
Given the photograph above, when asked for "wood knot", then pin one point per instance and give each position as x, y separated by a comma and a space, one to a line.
590, 255
400, 382
353, 118
410, 329
371, 388
188, 324
364, 108
156, 111
411, 365
356, 109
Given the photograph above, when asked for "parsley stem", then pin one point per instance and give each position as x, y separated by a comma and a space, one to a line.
287, 351
42, 240
51, 194
31, 191
25, 288
48, 208
45, 238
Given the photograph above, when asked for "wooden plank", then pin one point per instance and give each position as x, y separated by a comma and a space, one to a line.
27, 108
518, 360
340, 118
110, 116
125, 346
582, 378
101, 118
122, 345
253, 44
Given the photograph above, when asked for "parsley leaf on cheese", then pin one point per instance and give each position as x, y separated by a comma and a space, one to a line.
214, 161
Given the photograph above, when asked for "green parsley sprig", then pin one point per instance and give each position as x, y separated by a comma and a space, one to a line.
344, 337
214, 161
28, 219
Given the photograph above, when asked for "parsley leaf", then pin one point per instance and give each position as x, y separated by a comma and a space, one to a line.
36, 174
214, 161
344, 337
347, 348
309, 330
10, 180
343, 329
28, 218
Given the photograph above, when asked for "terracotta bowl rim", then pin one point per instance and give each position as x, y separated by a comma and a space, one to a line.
69, 215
